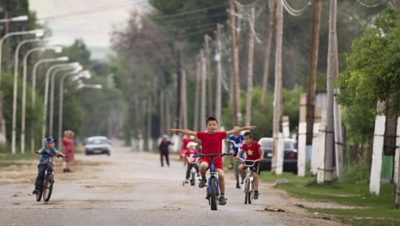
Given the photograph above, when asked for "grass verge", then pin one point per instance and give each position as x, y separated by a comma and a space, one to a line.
367, 209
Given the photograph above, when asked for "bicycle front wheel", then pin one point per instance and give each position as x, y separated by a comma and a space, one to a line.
48, 188
213, 193
247, 192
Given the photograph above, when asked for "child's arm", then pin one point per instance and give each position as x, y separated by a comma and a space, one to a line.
237, 129
38, 151
261, 153
239, 153
60, 153
184, 131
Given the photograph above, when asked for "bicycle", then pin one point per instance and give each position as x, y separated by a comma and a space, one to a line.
248, 180
212, 181
47, 187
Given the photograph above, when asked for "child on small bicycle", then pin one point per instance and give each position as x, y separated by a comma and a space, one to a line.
211, 141
46, 152
235, 141
253, 153
191, 161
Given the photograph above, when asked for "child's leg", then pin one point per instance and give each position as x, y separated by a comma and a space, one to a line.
221, 180
203, 169
189, 167
241, 170
256, 181
40, 176
196, 167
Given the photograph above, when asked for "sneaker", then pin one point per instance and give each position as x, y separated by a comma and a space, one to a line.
256, 194
222, 200
230, 166
35, 192
202, 183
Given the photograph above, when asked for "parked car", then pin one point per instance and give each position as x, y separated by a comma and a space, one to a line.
97, 145
290, 154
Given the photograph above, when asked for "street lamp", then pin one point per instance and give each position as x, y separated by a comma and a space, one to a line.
15, 93
83, 74
46, 90
25, 74
14, 34
15, 19
52, 78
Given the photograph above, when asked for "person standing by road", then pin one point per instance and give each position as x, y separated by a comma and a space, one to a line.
68, 149
164, 150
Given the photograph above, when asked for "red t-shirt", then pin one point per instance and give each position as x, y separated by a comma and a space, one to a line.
252, 151
211, 143
191, 154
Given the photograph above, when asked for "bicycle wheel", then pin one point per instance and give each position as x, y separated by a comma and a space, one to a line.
246, 191
213, 193
48, 188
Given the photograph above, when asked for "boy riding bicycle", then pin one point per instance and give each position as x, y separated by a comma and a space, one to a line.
46, 152
235, 141
253, 153
211, 141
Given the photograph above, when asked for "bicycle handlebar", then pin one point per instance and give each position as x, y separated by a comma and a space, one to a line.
211, 155
252, 162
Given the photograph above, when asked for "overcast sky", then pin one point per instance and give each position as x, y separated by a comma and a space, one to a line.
91, 20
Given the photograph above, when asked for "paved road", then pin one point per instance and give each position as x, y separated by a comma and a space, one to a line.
130, 188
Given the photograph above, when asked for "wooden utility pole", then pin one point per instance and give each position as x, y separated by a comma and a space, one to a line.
268, 50
235, 86
397, 162
183, 101
249, 100
197, 95
218, 101
162, 113
312, 70
208, 74
178, 88
203, 90
331, 77
277, 114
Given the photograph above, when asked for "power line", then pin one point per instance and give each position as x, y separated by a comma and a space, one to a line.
292, 11
369, 5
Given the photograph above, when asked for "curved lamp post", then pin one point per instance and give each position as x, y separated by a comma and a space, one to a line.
83, 74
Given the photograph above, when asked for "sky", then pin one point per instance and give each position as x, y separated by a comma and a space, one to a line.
90, 20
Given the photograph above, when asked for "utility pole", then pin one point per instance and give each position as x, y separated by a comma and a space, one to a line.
218, 101
197, 96
178, 88
235, 87
277, 114
312, 70
183, 101
331, 77
162, 114
249, 100
268, 50
203, 90
208, 74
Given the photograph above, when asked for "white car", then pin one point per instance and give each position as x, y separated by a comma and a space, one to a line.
97, 145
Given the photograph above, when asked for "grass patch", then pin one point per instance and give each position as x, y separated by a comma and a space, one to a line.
8, 159
369, 209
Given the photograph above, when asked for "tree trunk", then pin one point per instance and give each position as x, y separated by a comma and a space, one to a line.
312, 70
203, 91
249, 101
268, 50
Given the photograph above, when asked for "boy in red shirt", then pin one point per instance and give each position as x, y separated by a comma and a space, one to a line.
253, 152
211, 141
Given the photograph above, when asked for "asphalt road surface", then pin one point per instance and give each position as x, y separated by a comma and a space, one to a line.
130, 188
